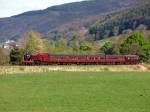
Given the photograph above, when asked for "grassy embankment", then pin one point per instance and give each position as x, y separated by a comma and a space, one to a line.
74, 68
75, 92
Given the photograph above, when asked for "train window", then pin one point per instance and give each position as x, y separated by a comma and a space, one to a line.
79, 58
74, 58
102, 58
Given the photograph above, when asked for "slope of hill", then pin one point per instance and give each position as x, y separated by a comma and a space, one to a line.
43, 21
137, 17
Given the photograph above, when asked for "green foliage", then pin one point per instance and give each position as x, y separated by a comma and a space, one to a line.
86, 46
58, 47
118, 22
16, 55
55, 35
50, 47
133, 49
105, 47
96, 47
61, 45
74, 43
32, 42
136, 44
145, 57
136, 37
116, 49
110, 48
73, 47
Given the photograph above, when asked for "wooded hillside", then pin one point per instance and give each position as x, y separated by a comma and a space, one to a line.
122, 22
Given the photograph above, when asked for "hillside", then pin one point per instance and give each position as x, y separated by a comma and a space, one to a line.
43, 21
135, 18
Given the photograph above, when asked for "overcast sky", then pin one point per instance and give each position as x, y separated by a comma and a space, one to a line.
13, 7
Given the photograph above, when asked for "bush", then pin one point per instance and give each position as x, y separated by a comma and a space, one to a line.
16, 55
4, 56
136, 44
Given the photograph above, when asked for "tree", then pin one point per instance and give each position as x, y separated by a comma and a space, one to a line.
61, 45
95, 47
16, 55
106, 48
136, 37
145, 57
119, 22
74, 44
116, 49
32, 42
133, 49
115, 31
86, 47
136, 44
50, 47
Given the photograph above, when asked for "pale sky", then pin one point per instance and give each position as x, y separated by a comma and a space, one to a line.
14, 7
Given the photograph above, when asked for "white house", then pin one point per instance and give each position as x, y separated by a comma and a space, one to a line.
9, 44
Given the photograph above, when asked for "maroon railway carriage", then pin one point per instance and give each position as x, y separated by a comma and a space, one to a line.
45, 59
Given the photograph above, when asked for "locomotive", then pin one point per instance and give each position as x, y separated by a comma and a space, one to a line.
67, 59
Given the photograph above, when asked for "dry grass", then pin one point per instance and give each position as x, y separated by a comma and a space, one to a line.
74, 68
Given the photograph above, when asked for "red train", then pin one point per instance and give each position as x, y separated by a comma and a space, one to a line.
45, 59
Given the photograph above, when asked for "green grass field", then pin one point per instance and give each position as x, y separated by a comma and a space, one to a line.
75, 92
